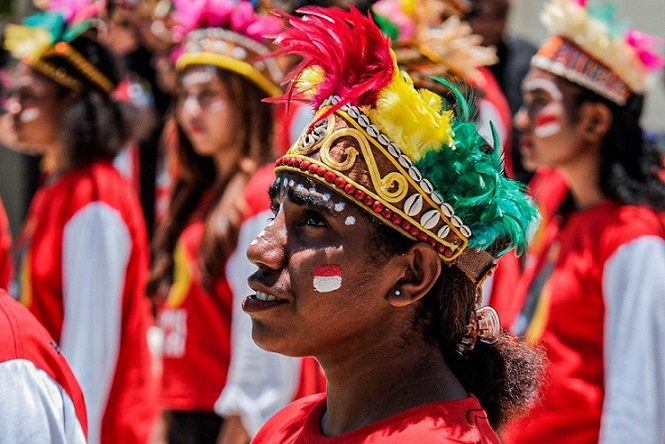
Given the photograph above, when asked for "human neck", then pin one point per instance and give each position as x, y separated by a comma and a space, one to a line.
56, 160
390, 378
226, 161
583, 180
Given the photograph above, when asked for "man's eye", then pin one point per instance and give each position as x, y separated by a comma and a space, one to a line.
313, 220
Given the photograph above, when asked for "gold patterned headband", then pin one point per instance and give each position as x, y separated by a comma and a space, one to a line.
63, 50
349, 154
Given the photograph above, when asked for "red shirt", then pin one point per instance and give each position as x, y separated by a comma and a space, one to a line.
462, 421
24, 340
81, 270
6, 263
197, 324
561, 304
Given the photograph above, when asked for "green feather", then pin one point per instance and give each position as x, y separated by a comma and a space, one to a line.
470, 178
52, 22
76, 30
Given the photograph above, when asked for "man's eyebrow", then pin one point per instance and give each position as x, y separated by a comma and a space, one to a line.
302, 199
273, 191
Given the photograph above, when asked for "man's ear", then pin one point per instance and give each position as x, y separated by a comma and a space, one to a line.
421, 267
595, 121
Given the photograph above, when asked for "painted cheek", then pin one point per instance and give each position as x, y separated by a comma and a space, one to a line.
327, 278
217, 106
29, 114
547, 124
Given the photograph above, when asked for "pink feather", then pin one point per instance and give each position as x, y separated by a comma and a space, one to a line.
645, 44
347, 46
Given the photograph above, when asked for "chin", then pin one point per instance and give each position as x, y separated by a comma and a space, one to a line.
271, 341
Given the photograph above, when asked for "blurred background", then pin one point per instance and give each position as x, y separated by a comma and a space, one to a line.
18, 172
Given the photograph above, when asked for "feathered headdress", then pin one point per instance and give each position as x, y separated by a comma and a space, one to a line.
228, 34
43, 42
396, 151
424, 42
589, 48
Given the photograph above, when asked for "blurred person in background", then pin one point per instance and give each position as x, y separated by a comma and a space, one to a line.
6, 262
217, 384
82, 257
593, 294
489, 19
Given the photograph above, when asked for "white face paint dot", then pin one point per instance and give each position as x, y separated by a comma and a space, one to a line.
291, 183
339, 206
29, 114
350, 220
254, 242
312, 190
326, 196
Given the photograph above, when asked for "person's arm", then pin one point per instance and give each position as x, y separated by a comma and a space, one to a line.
634, 295
34, 408
259, 383
95, 253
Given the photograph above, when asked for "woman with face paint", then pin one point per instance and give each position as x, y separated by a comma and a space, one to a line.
218, 204
593, 295
389, 212
82, 256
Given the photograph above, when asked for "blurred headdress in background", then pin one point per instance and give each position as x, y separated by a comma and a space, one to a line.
591, 48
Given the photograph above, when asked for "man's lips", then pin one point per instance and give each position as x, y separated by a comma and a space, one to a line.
261, 301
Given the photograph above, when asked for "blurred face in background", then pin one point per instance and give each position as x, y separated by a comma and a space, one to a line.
549, 134
205, 112
35, 107
488, 18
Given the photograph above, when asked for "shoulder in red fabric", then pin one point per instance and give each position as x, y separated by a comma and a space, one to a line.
24, 338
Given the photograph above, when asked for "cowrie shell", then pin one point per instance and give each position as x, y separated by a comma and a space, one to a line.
457, 222
394, 151
447, 209
353, 112
427, 186
444, 231
404, 161
415, 174
363, 120
373, 131
413, 205
430, 219
466, 231
383, 139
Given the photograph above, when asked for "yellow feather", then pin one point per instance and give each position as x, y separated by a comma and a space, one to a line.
22, 41
412, 119
308, 81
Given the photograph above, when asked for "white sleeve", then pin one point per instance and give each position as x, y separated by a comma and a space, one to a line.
34, 408
259, 383
634, 296
95, 253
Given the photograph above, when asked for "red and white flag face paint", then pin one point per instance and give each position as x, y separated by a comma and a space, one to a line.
547, 125
327, 278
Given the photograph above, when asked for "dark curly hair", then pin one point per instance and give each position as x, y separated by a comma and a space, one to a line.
505, 376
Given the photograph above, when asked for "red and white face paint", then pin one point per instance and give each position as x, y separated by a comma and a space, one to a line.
327, 278
548, 120
547, 125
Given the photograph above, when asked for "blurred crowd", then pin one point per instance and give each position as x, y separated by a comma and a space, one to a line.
157, 124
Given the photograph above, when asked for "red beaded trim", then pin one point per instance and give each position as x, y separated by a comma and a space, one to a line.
361, 197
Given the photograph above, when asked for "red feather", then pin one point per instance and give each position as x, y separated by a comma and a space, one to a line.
347, 46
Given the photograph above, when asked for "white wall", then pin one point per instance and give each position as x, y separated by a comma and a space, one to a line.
645, 15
